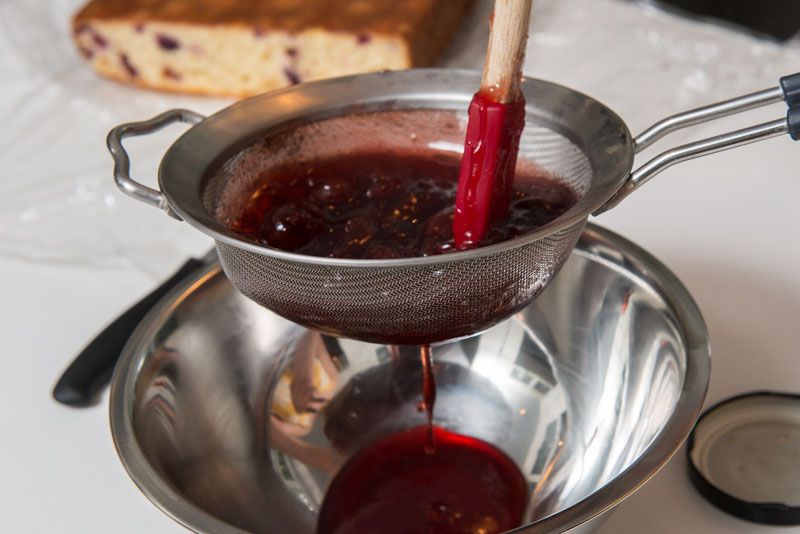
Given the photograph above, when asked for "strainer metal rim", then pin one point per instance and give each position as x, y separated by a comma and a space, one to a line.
191, 155
596, 241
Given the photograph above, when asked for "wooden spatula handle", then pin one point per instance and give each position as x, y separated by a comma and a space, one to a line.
506, 53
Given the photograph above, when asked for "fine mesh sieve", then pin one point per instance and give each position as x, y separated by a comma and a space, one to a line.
412, 300
404, 304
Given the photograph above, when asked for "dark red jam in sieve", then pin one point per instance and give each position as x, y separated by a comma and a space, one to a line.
396, 485
382, 205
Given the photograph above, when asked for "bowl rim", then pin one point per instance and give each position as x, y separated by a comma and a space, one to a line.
596, 243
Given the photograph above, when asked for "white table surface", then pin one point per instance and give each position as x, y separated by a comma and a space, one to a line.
727, 225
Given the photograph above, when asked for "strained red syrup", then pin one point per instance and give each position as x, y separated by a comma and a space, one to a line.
394, 486
428, 392
382, 205
425, 480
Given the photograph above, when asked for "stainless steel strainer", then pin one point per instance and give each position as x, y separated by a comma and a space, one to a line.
411, 300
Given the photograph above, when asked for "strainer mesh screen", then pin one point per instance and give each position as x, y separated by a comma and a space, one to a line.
402, 304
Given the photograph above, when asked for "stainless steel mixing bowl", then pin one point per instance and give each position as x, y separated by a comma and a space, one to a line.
590, 389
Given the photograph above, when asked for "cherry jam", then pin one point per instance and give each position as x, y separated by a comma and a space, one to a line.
397, 486
382, 205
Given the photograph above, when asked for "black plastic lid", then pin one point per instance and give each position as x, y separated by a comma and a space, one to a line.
744, 457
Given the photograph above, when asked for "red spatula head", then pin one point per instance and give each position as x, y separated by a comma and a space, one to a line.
487, 167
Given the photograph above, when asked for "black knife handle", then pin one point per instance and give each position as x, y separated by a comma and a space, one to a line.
91, 370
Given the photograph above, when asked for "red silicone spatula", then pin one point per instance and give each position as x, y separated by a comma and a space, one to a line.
496, 119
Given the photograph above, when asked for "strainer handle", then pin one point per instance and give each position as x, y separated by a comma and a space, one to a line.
122, 163
789, 91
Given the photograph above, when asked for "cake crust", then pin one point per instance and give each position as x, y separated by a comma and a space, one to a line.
390, 17
245, 47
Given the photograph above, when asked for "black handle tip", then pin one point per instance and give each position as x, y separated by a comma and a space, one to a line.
791, 89
69, 396
793, 122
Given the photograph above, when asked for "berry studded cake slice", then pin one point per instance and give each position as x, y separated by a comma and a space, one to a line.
245, 47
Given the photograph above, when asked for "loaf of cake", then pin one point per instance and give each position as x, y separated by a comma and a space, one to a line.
245, 47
